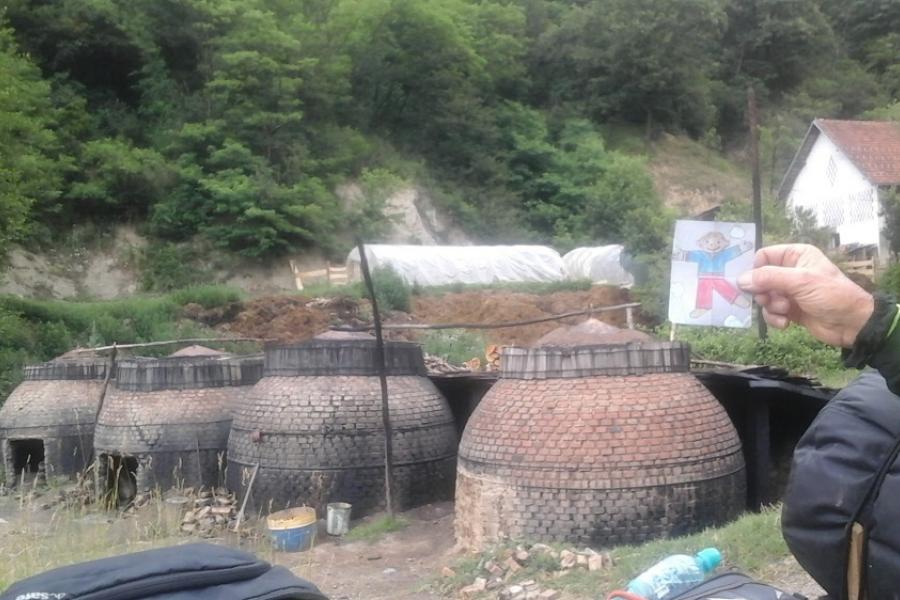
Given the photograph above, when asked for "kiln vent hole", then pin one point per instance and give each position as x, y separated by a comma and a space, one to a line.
27, 456
120, 478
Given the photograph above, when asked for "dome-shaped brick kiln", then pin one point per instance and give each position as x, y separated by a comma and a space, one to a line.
48, 420
314, 426
166, 421
602, 444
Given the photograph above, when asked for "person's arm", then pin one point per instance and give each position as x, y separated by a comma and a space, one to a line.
797, 283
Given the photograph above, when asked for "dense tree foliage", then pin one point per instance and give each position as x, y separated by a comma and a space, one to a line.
237, 120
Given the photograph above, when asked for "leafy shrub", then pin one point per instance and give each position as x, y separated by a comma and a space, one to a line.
165, 267
391, 290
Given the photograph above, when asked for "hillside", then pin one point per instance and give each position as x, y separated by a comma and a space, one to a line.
92, 262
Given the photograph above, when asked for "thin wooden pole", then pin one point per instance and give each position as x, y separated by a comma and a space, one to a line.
109, 371
382, 377
240, 515
558, 317
753, 118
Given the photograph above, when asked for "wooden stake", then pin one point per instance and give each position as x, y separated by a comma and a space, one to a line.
753, 118
382, 377
109, 371
240, 515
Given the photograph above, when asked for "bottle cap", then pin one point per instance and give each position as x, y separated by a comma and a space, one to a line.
709, 559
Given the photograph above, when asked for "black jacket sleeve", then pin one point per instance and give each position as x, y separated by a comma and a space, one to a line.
876, 345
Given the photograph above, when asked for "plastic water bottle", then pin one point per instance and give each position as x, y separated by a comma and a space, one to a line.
674, 574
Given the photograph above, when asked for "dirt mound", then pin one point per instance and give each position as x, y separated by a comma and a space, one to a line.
296, 318
291, 318
497, 307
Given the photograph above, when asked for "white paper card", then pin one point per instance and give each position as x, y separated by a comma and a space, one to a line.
707, 257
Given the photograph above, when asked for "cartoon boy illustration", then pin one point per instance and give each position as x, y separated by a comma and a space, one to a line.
711, 259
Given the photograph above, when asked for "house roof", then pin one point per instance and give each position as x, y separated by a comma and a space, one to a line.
872, 146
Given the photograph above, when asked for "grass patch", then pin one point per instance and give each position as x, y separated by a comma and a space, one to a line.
373, 530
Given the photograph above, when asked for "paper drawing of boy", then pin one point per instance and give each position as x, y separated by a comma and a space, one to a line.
711, 259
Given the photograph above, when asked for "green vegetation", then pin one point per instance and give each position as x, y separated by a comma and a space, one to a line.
38, 330
235, 122
455, 345
751, 544
372, 530
793, 349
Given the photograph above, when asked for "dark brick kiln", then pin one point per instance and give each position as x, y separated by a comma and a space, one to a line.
166, 421
314, 426
596, 444
48, 420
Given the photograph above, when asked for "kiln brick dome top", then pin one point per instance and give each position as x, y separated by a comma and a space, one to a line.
342, 357
183, 373
553, 362
67, 370
591, 333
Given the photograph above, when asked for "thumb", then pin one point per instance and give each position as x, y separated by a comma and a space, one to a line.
786, 281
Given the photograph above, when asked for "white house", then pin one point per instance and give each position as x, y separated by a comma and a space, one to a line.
838, 173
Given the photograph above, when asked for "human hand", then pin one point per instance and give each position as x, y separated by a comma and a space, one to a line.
796, 282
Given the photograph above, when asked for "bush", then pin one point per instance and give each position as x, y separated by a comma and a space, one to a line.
391, 290
207, 296
165, 267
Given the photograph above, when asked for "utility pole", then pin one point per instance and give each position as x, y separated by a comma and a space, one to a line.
753, 119
382, 377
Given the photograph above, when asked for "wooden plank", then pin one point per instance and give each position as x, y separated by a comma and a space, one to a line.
855, 566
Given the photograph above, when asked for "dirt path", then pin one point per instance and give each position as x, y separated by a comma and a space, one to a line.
398, 565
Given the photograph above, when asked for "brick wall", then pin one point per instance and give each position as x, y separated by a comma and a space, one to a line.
320, 439
601, 460
61, 413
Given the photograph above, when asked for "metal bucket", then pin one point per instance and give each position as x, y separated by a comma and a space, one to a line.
338, 518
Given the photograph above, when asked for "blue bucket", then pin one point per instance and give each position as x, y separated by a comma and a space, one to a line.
293, 529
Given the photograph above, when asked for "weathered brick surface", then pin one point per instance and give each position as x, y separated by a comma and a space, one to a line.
597, 459
178, 436
320, 439
59, 412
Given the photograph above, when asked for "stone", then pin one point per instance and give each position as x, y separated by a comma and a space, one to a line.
521, 556
596, 562
478, 586
544, 548
548, 595
448, 572
511, 565
494, 583
567, 559
188, 527
581, 560
389, 571
494, 569
513, 592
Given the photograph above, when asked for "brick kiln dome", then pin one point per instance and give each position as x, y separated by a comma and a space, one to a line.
166, 420
49, 417
314, 425
596, 444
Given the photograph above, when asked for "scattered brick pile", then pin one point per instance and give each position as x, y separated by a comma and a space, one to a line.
208, 512
498, 575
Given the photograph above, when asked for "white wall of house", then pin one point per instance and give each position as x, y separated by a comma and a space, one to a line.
839, 195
